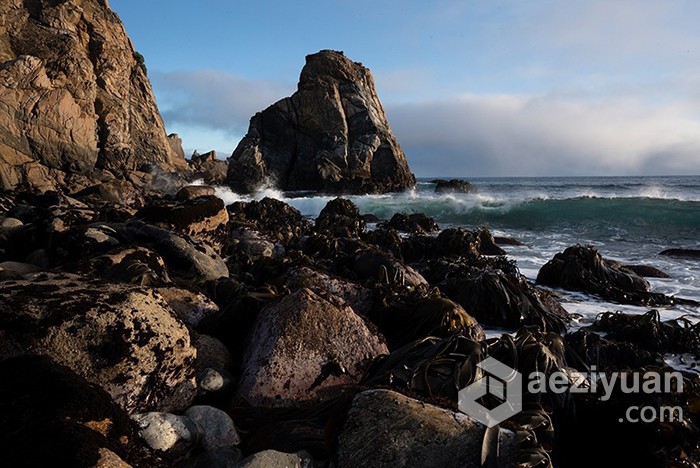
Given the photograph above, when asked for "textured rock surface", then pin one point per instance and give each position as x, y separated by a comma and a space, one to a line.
276, 459
387, 429
331, 135
303, 345
123, 338
73, 97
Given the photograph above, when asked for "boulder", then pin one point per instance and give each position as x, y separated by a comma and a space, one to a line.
331, 136
190, 307
272, 217
192, 192
387, 429
453, 186
417, 223
215, 427
166, 432
355, 295
647, 271
123, 338
53, 417
75, 98
208, 168
275, 459
582, 268
340, 218
692, 254
302, 346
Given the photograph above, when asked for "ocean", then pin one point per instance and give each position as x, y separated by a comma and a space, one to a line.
628, 219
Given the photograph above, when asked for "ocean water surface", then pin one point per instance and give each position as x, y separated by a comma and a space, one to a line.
629, 219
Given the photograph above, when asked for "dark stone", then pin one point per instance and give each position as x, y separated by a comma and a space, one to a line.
500, 240
454, 186
340, 218
647, 271
330, 136
692, 254
417, 223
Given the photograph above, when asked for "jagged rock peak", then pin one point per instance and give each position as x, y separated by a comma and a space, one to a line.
331, 135
76, 102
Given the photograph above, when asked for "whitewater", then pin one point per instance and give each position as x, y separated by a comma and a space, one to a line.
628, 219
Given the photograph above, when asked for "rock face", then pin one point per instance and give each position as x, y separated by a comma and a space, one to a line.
331, 136
123, 338
385, 428
75, 99
327, 346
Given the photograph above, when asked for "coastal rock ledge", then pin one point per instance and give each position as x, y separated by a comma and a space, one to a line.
331, 136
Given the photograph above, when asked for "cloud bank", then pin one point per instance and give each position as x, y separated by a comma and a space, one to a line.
473, 135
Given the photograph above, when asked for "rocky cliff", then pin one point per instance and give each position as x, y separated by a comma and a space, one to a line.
331, 135
75, 103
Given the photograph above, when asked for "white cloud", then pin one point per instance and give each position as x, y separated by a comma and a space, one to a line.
546, 135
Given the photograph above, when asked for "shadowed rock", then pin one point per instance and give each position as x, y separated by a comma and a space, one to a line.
331, 136
454, 186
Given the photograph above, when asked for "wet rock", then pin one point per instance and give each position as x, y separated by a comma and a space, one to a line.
405, 316
9, 223
454, 186
582, 268
387, 429
328, 345
463, 243
53, 417
166, 432
208, 168
275, 459
647, 271
417, 223
500, 240
377, 265
586, 348
330, 136
340, 218
215, 427
501, 298
192, 192
272, 217
692, 254
190, 307
123, 338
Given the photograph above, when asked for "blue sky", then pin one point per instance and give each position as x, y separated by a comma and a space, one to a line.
471, 88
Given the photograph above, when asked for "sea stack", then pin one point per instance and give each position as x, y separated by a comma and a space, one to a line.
330, 136
75, 102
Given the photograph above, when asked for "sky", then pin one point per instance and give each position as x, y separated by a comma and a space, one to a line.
471, 88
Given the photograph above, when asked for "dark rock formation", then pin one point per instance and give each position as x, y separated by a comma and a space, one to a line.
582, 268
454, 186
648, 271
340, 218
693, 254
417, 223
76, 104
330, 136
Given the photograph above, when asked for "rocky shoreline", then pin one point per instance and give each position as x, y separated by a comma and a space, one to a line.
213, 334
144, 322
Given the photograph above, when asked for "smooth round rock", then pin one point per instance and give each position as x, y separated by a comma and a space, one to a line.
214, 426
166, 431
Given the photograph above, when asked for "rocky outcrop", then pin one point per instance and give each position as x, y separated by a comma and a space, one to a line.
75, 103
331, 135
208, 168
